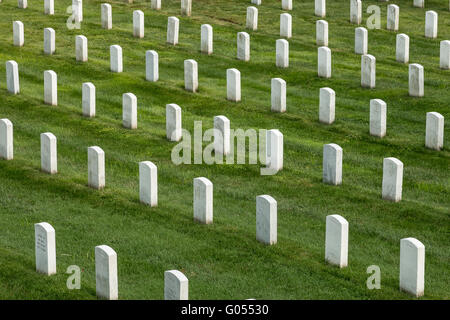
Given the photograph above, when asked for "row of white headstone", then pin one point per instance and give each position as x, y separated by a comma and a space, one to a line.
412, 251
106, 279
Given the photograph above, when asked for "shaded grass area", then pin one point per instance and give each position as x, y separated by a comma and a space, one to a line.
223, 260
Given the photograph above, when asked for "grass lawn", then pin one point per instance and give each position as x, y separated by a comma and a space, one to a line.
222, 260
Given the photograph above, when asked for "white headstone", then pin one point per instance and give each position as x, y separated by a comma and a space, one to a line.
434, 137
106, 16
278, 95
191, 75
243, 46
361, 41
282, 53
332, 164
138, 24
393, 17
156, 4
274, 150
77, 10
81, 48
412, 266
252, 18
88, 99
445, 55
221, 135
151, 66
96, 167
378, 118
176, 285
431, 24
203, 200
419, 3
233, 85
45, 248
257, 2
173, 25
324, 62
355, 11
368, 71
50, 88
402, 48
336, 240
129, 111
49, 41
206, 45
115, 56
18, 35
416, 79
6, 139
285, 25
173, 122
49, 157
12, 77
22, 4
186, 7
106, 282
266, 219
320, 8
148, 183
286, 4
327, 105
322, 33
392, 179
49, 7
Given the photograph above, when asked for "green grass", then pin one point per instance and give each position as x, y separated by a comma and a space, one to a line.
223, 260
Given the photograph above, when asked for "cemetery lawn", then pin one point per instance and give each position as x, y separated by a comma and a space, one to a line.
222, 260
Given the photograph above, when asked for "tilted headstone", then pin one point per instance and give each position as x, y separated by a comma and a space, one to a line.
431, 24
412, 266
233, 85
278, 95
266, 219
206, 45
49, 156
88, 99
176, 285
173, 25
252, 18
445, 55
18, 35
322, 33
416, 80
106, 282
368, 71
221, 135
96, 168
148, 183
191, 75
378, 118
81, 48
402, 48
324, 62
138, 24
332, 164
50, 88
173, 122
282, 53
45, 248
49, 41
115, 56
392, 179
361, 42
393, 17
129, 111
243, 46
106, 16
151, 66
336, 240
12, 77
6, 139
327, 99
434, 137
203, 200
285, 25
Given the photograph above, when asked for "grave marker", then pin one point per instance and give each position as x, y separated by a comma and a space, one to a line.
18, 35
96, 168
243, 46
434, 137
336, 240
378, 118
266, 219
191, 75
106, 282
203, 200
49, 157
173, 122
50, 88
402, 48
151, 66
233, 85
173, 25
416, 79
88, 99
327, 99
115, 56
368, 71
148, 183
176, 285
12, 77
412, 266
392, 179
332, 164
278, 95
6, 139
45, 248
324, 62
129, 111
